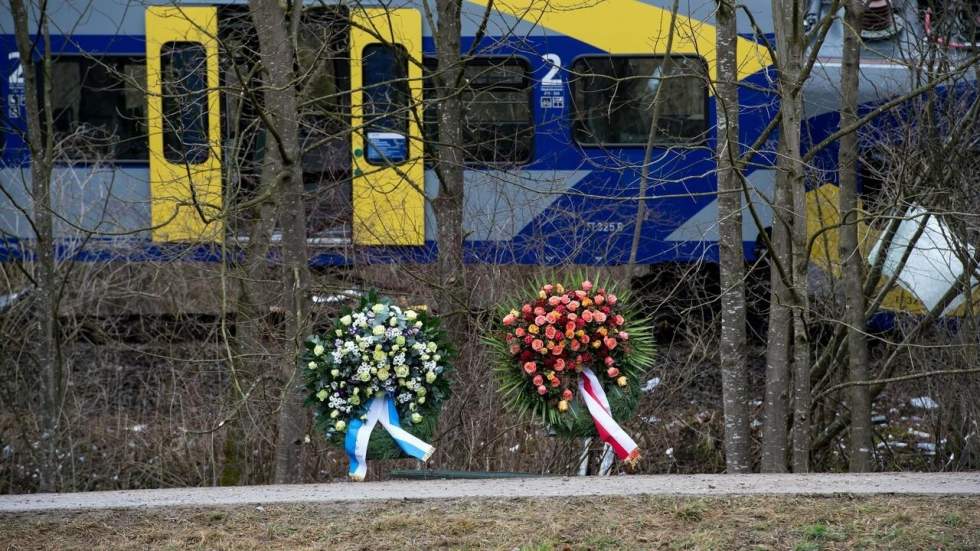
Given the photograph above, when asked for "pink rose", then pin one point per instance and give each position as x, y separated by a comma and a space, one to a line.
623, 336
587, 285
554, 300
530, 367
611, 299
509, 319
542, 390
547, 288
540, 321
609, 361
550, 332
538, 380
573, 306
609, 342
612, 372
618, 320
587, 315
537, 345
519, 331
599, 317
526, 309
559, 364
599, 299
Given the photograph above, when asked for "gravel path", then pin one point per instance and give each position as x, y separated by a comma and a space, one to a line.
679, 485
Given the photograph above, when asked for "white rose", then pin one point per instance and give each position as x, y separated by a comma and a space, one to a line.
416, 418
346, 320
401, 371
334, 414
340, 426
311, 365
378, 330
334, 372
378, 308
318, 350
322, 395
411, 315
430, 377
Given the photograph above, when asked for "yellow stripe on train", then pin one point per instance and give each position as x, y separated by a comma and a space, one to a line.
631, 27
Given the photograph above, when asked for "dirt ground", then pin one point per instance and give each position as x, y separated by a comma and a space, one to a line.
533, 524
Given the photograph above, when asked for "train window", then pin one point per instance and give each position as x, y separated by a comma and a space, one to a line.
185, 102
386, 103
614, 100
498, 123
113, 128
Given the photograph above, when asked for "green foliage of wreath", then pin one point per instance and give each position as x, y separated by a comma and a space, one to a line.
381, 445
633, 360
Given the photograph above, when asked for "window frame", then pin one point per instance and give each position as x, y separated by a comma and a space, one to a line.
98, 58
487, 61
677, 143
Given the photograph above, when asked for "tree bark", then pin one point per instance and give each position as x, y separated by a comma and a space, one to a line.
41, 146
780, 331
738, 458
448, 206
282, 164
859, 399
788, 345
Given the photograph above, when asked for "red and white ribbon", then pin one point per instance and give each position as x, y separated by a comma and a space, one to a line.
610, 432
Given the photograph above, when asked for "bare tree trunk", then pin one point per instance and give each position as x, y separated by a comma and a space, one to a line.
790, 39
780, 331
859, 400
787, 332
738, 457
282, 163
40, 144
448, 206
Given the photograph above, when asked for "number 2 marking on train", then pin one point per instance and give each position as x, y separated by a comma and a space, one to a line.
552, 78
17, 75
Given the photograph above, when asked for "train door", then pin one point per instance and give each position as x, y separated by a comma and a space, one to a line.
184, 123
386, 147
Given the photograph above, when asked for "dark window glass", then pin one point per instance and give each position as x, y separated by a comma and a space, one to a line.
98, 107
185, 102
614, 100
498, 124
387, 99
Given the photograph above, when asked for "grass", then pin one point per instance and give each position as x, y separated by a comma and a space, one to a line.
559, 524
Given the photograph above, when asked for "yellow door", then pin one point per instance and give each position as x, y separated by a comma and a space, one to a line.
184, 123
386, 107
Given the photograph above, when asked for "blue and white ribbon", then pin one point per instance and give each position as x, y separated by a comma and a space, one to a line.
380, 410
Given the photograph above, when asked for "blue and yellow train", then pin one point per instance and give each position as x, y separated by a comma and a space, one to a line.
558, 123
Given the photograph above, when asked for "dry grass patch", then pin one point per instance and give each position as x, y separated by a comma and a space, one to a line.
750, 523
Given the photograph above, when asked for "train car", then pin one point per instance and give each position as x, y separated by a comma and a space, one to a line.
557, 141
